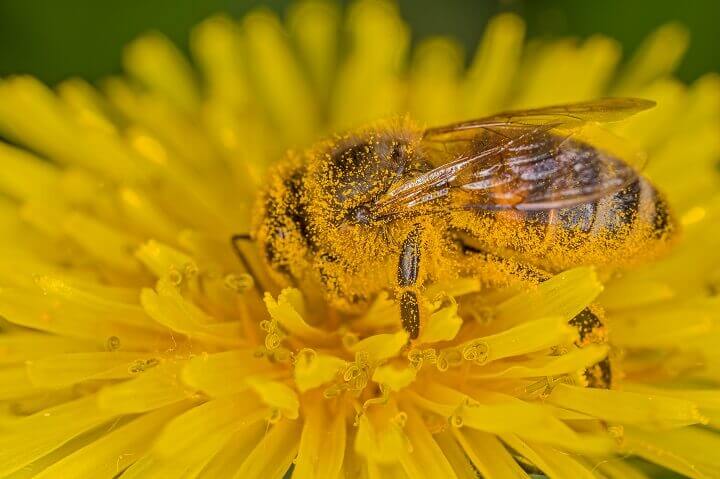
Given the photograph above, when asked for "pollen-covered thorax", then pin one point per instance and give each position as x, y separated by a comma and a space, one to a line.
317, 218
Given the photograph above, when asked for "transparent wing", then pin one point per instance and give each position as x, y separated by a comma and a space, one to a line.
604, 110
524, 160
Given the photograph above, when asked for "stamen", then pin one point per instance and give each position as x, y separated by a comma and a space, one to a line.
477, 351
456, 421
400, 419
349, 339
239, 283
418, 357
141, 365
544, 386
274, 334
112, 343
449, 357
382, 399
174, 276
275, 416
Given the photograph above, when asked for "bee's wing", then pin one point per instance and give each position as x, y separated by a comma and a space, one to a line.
604, 110
522, 160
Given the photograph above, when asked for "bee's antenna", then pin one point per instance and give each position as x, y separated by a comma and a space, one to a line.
234, 241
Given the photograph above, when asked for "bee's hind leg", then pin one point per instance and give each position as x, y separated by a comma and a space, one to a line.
408, 281
501, 271
588, 324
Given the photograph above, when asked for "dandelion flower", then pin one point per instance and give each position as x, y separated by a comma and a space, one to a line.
135, 344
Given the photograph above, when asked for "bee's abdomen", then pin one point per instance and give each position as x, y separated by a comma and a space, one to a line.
616, 214
637, 207
627, 226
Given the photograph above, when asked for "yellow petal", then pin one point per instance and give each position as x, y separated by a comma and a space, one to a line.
313, 370
272, 457
230, 458
32, 114
379, 436
688, 451
525, 338
551, 461
394, 378
155, 61
573, 361
287, 311
27, 308
278, 78
453, 288
154, 388
217, 46
22, 444
146, 215
314, 26
381, 346
322, 443
276, 395
368, 85
639, 327
492, 71
383, 313
657, 56
225, 373
94, 297
163, 260
423, 458
90, 108
19, 347
563, 71
704, 398
169, 308
442, 325
620, 470
214, 421
107, 244
506, 415
632, 292
488, 454
563, 295
625, 407
15, 383
67, 369
113, 452
456, 456
434, 78
650, 129
24, 175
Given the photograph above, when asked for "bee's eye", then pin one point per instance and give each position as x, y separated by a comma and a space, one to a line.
361, 215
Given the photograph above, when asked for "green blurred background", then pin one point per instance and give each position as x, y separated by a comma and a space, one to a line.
54, 39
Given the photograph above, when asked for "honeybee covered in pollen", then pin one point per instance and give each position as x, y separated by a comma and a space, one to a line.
510, 198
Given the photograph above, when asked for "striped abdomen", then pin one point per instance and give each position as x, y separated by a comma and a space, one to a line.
612, 230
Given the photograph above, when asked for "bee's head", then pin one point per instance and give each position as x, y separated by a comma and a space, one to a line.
355, 170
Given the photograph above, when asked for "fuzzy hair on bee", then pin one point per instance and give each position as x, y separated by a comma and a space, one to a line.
511, 198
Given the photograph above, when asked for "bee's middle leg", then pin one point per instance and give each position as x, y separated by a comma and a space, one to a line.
408, 281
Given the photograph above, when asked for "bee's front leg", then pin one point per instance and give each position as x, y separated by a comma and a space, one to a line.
408, 281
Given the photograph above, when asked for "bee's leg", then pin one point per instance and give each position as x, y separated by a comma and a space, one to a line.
587, 323
408, 272
505, 267
235, 241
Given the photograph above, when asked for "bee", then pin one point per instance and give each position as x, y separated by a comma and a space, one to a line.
517, 196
